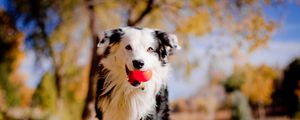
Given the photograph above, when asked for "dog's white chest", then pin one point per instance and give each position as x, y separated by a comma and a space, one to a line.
128, 106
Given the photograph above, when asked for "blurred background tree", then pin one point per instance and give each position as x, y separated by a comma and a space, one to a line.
11, 81
286, 96
256, 83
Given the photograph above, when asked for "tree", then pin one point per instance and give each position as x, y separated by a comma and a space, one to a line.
10, 43
45, 95
36, 11
259, 80
88, 109
40, 13
50, 20
257, 83
12, 85
286, 95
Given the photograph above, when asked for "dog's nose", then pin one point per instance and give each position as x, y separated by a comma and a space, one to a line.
138, 64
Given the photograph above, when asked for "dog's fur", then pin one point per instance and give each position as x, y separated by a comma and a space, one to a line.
116, 98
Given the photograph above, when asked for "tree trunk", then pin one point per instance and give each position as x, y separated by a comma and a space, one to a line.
57, 75
261, 111
88, 110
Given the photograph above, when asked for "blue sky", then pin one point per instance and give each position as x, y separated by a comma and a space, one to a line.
288, 19
285, 42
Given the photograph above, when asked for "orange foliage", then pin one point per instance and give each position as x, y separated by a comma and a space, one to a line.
26, 95
258, 84
2, 100
198, 24
258, 30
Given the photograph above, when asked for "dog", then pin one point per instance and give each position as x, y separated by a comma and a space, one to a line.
126, 49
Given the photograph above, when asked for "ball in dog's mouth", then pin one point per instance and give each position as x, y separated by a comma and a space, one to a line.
138, 77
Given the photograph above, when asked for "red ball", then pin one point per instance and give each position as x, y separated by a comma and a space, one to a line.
140, 76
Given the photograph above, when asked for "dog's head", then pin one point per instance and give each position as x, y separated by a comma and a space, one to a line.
127, 49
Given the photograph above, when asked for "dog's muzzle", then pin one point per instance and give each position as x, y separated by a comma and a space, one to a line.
137, 78
134, 83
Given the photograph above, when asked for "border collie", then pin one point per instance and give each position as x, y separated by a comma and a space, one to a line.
127, 49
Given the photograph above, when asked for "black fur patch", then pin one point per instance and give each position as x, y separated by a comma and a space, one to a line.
162, 106
163, 42
116, 36
163, 37
103, 73
99, 113
102, 41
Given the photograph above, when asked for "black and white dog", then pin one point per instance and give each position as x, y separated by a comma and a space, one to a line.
126, 49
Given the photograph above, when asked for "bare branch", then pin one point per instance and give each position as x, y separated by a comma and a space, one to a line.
148, 9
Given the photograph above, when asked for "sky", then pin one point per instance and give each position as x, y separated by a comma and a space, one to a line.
285, 42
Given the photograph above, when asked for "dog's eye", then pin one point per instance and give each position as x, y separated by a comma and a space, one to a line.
128, 47
150, 49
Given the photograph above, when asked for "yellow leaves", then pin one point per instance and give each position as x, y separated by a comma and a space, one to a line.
45, 95
256, 30
2, 100
199, 3
26, 95
257, 23
178, 3
11, 79
260, 92
17, 52
154, 20
65, 8
211, 3
111, 4
267, 1
16, 76
258, 84
198, 24
172, 6
137, 8
107, 18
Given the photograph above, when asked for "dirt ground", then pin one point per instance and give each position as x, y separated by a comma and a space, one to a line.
221, 115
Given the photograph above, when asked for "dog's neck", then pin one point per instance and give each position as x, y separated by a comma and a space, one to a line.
121, 101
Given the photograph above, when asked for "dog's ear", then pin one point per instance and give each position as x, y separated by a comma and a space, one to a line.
109, 38
167, 44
